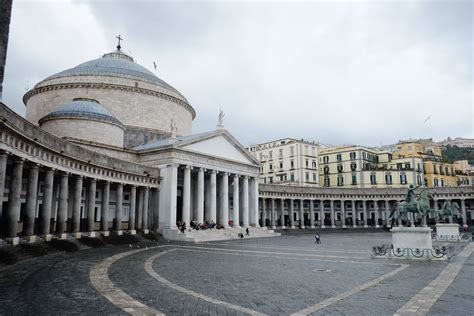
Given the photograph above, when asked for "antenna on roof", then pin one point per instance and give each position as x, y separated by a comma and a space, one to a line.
154, 65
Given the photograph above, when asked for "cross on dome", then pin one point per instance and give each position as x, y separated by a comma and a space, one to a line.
119, 39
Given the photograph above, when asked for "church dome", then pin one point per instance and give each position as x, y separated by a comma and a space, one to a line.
83, 108
115, 64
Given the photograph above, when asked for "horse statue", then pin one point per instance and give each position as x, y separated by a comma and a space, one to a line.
449, 210
420, 205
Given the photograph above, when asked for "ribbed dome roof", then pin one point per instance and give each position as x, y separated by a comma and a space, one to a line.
83, 108
116, 64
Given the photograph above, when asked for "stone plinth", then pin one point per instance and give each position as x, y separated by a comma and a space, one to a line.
412, 238
447, 232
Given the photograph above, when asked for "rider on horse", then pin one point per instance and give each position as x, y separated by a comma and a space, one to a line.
410, 198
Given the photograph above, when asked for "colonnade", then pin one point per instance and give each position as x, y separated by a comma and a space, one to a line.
227, 199
309, 213
44, 201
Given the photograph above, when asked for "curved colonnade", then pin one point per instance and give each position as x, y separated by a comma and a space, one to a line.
321, 207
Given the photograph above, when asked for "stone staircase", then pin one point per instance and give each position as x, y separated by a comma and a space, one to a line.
229, 233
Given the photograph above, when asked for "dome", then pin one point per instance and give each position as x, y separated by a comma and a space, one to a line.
115, 64
83, 108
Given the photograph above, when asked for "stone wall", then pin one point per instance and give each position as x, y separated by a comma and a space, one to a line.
84, 129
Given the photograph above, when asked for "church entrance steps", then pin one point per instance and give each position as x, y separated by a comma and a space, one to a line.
228, 233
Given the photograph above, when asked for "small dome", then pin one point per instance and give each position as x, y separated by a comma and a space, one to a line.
83, 108
115, 64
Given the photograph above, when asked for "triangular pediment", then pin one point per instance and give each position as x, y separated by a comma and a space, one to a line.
222, 146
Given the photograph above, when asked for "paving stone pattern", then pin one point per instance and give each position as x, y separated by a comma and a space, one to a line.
281, 275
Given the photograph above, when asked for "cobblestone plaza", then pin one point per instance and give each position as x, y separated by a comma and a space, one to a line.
279, 275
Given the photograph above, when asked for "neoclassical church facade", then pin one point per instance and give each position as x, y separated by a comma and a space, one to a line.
107, 146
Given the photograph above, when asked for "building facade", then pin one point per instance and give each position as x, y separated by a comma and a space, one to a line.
458, 142
288, 207
288, 161
361, 167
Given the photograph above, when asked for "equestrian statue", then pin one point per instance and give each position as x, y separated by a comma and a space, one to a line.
412, 204
448, 212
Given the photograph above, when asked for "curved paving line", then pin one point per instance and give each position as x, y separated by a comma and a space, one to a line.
346, 294
159, 278
421, 303
102, 283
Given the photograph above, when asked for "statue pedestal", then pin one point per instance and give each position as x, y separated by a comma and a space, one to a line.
447, 232
412, 242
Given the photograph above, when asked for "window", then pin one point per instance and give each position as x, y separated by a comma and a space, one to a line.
435, 182
326, 170
306, 150
292, 164
314, 177
261, 156
352, 155
326, 182
407, 166
399, 166
339, 168
340, 181
353, 166
403, 178
354, 179
363, 155
447, 171
452, 171
270, 166
418, 166
440, 169
281, 164
270, 155
418, 180
270, 179
307, 176
410, 147
314, 164
280, 152
325, 159
388, 178
307, 163
292, 177
373, 179
313, 151
442, 182
339, 157
292, 150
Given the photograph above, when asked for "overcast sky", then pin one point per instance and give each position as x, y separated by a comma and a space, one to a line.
336, 72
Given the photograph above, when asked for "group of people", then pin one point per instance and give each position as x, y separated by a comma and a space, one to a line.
198, 226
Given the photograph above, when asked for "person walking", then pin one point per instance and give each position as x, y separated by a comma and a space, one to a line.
247, 233
317, 239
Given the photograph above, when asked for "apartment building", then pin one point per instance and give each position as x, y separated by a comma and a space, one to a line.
288, 161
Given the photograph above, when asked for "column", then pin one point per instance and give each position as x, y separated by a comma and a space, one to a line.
291, 214
104, 209
14, 199
76, 209
435, 206
31, 200
321, 213
224, 200
311, 214
200, 197
343, 213
333, 215
139, 218
463, 210
354, 214
119, 207
3, 174
283, 224
213, 208
133, 202
91, 205
272, 215
364, 210
146, 200
376, 213
236, 199
45, 216
264, 212
245, 201
187, 195
254, 212
302, 214
168, 198
61, 226
387, 212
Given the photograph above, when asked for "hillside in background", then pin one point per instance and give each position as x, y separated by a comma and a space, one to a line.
453, 153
